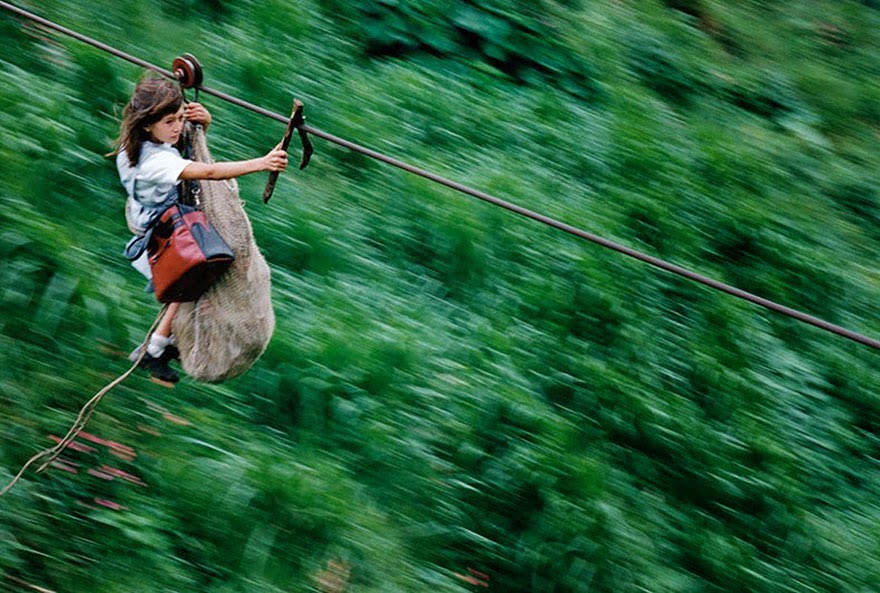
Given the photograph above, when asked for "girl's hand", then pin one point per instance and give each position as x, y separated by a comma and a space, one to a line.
196, 112
275, 160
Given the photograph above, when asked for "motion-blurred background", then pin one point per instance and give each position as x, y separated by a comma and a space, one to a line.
458, 399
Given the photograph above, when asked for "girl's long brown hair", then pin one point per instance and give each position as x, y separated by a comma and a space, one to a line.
153, 99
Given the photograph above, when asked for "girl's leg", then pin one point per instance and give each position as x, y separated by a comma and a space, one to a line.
161, 337
164, 327
156, 361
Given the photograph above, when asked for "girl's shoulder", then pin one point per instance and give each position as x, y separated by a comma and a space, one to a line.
152, 155
159, 156
151, 149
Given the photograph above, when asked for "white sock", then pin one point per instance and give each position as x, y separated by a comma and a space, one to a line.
157, 345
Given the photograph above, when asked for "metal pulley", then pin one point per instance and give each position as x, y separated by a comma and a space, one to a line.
187, 70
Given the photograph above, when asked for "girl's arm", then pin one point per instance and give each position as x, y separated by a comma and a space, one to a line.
275, 160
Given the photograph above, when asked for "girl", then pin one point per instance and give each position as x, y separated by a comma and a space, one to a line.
151, 168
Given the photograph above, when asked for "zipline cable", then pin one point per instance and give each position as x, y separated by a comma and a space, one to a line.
608, 244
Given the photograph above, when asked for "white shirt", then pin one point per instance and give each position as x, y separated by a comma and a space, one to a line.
151, 184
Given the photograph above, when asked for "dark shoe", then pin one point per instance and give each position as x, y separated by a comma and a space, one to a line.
158, 368
171, 353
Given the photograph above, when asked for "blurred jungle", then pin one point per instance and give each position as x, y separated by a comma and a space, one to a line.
457, 398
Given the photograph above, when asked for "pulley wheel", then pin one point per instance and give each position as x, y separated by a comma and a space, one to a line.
187, 70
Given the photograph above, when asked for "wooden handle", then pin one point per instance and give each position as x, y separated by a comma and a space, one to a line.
295, 119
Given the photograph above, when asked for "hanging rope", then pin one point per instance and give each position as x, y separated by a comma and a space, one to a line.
47, 456
582, 234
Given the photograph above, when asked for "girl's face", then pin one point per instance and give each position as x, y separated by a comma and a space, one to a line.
168, 128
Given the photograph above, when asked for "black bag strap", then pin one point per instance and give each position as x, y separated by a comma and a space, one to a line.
189, 191
137, 245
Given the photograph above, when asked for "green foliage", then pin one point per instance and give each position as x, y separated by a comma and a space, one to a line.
455, 397
523, 41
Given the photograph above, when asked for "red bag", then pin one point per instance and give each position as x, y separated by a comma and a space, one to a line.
186, 254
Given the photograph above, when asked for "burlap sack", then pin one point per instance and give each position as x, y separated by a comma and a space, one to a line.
222, 335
